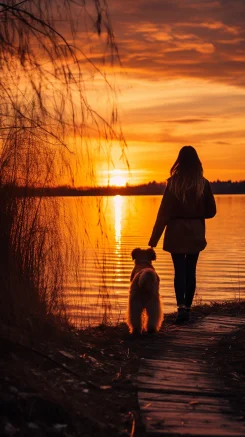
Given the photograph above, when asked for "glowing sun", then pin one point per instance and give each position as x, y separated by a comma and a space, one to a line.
116, 179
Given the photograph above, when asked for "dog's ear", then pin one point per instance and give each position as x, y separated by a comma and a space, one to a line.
135, 252
152, 254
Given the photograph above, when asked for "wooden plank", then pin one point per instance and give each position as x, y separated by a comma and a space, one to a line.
188, 400
178, 378
216, 420
187, 377
165, 407
198, 429
177, 366
168, 382
181, 390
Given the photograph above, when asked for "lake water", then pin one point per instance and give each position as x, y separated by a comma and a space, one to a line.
109, 228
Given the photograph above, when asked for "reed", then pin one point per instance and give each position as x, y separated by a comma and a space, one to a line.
32, 263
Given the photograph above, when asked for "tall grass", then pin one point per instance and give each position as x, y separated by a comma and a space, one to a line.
32, 267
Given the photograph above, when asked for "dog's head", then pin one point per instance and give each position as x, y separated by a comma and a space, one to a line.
143, 255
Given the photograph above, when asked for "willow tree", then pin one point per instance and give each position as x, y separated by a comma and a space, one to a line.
48, 57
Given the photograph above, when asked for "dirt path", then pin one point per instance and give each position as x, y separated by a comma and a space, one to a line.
177, 391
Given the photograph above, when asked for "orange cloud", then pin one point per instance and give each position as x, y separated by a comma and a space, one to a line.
182, 39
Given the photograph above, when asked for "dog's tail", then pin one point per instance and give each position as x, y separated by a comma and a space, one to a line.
147, 279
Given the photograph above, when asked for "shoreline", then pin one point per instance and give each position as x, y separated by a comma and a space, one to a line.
147, 189
83, 382
114, 193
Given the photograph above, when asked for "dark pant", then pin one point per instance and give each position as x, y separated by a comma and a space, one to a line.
185, 277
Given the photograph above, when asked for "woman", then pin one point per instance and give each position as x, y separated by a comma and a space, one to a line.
188, 200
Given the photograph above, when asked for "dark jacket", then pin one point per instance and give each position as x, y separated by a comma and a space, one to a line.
184, 221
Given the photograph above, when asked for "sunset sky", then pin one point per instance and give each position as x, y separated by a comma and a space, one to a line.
181, 82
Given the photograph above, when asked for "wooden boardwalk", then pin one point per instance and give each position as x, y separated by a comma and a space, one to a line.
178, 394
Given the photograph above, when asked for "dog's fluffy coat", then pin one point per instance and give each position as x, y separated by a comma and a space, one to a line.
144, 304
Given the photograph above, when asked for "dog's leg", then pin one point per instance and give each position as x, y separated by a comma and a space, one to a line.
135, 316
154, 315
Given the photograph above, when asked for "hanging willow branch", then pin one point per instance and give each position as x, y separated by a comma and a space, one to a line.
44, 69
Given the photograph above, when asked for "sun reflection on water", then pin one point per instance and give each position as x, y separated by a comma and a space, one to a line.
118, 204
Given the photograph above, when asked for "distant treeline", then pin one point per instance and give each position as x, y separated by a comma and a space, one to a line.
218, 187
228, 187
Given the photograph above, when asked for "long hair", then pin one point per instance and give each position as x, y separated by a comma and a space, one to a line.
187, 173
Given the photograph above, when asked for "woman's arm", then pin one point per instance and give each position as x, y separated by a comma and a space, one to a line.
161, 220
209, 202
